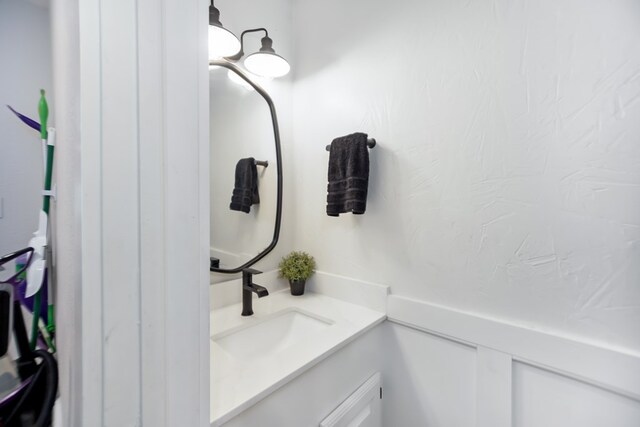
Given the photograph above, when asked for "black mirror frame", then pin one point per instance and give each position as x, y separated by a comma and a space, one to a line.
276, 134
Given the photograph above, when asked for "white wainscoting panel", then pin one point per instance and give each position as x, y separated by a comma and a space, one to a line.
428, 380
544, 398
493, 391
521, 377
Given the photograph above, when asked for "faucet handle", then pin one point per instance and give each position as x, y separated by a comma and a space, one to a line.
251, 271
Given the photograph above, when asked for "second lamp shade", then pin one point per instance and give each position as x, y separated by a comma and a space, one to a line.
267, 64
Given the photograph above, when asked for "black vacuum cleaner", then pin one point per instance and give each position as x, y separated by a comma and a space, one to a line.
30, 402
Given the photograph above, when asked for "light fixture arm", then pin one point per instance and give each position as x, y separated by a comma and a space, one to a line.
266, 42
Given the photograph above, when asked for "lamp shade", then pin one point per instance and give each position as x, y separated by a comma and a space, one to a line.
222, 42
267, 64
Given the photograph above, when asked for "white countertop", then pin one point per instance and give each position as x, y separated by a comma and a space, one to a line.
237, 385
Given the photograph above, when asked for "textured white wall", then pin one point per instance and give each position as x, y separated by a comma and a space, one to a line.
276, 17
25, 55
507, 176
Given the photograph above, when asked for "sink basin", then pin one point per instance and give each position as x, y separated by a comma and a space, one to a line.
270, 335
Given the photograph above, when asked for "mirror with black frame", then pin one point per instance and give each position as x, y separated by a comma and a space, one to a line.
245, 170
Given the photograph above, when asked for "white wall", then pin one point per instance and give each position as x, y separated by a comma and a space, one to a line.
506, 180
25, 55
276, 17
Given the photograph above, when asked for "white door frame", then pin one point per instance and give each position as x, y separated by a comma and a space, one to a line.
144, 216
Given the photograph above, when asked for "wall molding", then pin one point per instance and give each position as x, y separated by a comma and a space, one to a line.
598, 365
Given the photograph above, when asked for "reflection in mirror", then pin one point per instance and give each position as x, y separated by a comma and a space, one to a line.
241, 127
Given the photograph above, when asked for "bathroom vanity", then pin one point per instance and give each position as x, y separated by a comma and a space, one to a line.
252, 357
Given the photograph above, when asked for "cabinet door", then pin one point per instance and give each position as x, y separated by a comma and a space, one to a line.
362, 409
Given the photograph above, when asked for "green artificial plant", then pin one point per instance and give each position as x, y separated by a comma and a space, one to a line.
297, 266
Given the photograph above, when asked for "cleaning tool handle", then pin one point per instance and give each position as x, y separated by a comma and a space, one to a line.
43, 111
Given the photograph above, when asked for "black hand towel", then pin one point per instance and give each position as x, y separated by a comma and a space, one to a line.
245, 192
348, 175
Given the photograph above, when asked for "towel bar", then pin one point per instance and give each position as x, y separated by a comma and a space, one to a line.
371, 142
264, 163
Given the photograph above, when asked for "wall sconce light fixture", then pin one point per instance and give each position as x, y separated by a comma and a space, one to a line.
224, 44
264, 63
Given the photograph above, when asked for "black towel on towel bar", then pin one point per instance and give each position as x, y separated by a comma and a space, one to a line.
245, 191
348, 175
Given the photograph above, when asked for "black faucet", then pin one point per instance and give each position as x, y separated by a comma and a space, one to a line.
248, 287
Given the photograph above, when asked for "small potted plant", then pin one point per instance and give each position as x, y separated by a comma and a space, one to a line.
297, 267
